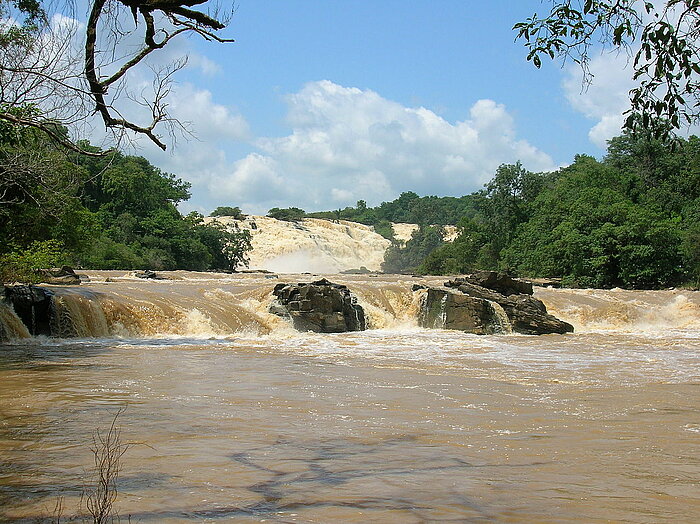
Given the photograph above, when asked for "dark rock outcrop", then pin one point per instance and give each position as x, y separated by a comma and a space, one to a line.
529, 316
361, 271
320, 306
33, 305
445, 309
505, 295
60, 276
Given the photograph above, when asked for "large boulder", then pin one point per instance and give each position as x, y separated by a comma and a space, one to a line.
60, 276
445, 309
529, 316
524, 313
33, 305
320, 306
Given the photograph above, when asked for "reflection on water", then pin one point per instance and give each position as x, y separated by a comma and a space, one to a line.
397, 424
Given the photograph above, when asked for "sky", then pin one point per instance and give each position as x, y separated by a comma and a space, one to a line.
318, 104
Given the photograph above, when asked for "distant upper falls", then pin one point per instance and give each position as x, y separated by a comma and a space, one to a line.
310, 245
317, 245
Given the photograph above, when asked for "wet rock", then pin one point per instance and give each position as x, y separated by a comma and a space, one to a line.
529, 316
546, 282
60, 276
147, 274
525, 314
33, 305
320, 306
497, 281
478, 292
278, 309
362, 270
445, 309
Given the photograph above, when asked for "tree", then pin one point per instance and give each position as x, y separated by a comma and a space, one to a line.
229, 246
237, 245
506, 202
48, 76
228, 211
666, 62
691, 248
289, 214
587, 230
407, 259
468, 252
39, 194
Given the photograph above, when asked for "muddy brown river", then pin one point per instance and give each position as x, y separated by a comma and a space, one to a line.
232, 416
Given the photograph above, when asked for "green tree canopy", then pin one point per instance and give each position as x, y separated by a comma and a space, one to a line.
588, 231
663, 38
407, 259
289, 214
228, 211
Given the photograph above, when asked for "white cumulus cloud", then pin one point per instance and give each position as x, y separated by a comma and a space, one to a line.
606, 99
348, 144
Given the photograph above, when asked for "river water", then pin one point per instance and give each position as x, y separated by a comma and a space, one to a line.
232, 416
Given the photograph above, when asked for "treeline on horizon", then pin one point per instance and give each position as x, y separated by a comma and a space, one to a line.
629, 220
113, 211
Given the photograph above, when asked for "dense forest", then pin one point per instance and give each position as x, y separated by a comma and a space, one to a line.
629, 220
112, 211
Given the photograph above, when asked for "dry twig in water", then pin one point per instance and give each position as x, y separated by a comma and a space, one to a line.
108, 450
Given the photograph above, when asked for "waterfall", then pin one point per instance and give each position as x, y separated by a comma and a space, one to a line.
388, 305
501, 323
443, 312
78, 316
11, 326
311, 244
204, 305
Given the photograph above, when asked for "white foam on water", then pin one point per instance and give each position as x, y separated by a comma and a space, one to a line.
623, 311
693, 428
198, 324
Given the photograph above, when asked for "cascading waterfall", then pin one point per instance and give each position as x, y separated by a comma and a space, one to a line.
501, 322
443, 312
83, 313
78, 316
388, 305
198, 305
11, 326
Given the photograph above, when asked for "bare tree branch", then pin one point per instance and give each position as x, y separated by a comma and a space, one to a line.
41, 67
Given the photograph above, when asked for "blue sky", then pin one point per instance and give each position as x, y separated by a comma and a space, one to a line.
320, 103
442, 55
